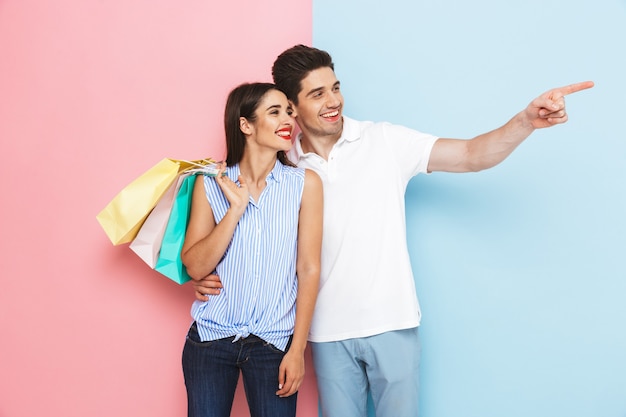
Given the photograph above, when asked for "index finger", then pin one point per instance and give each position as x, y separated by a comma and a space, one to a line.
573, 88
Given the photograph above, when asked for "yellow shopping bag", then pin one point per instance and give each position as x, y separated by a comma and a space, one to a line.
122, 218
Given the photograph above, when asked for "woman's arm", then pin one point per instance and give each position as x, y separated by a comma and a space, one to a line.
205, 241
291, 372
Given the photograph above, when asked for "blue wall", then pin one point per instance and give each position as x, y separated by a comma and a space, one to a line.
520, 269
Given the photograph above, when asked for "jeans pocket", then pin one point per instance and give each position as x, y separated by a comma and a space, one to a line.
193, 336
275, 349
272, 348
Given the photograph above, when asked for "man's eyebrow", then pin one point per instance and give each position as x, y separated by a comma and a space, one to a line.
315, 90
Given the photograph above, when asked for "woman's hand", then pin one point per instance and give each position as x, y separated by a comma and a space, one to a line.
237, 195
290, 373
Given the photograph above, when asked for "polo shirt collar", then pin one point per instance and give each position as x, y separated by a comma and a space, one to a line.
349, 133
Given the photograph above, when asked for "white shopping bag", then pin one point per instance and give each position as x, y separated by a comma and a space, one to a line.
147, 243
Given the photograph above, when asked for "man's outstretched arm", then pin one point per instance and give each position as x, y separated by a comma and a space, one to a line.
491, 148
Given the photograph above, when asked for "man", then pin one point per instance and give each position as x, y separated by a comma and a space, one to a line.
364, 333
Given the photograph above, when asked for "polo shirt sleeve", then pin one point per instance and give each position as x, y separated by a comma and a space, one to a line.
408, 149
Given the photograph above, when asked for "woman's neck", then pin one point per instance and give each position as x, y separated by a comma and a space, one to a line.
254, 170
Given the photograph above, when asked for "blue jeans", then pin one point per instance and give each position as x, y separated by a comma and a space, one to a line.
385, 365
211, 371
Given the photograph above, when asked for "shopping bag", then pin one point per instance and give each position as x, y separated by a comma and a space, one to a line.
125, 214
169, 262
147, 243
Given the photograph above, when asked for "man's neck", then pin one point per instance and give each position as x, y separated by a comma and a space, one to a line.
320, 145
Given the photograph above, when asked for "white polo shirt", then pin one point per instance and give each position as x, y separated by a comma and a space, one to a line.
366, 283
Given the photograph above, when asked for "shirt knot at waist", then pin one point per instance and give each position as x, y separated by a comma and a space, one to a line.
242, 333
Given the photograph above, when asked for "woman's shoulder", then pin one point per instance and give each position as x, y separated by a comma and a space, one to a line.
293, 170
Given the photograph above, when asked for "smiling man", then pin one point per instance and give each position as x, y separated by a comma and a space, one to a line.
364, 334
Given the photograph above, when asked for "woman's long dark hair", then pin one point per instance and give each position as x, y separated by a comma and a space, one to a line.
243, 102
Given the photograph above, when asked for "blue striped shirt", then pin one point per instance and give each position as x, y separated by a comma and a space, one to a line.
258, 270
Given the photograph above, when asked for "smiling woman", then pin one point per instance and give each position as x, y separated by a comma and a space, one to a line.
258, 226
113, 87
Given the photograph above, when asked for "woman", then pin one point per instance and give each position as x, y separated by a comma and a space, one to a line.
258, 226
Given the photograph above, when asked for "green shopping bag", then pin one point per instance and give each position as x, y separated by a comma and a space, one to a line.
169, 262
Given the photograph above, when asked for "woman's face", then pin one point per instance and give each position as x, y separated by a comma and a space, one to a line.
274, 122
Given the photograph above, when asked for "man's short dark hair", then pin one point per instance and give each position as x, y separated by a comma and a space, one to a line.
294, 64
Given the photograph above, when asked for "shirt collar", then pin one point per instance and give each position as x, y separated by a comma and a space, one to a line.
275, 174
349, 133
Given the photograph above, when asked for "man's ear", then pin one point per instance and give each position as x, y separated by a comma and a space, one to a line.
245, 126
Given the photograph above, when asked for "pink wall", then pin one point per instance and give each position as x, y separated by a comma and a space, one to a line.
92, 93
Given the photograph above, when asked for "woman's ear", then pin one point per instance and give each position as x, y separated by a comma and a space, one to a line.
245, 126
292, 108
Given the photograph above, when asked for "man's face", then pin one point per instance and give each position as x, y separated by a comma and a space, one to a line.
320, 103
